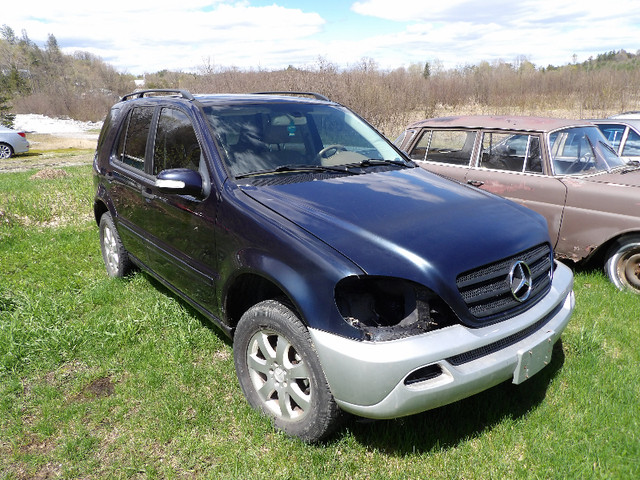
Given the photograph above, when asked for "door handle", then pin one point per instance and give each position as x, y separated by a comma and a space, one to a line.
475, 183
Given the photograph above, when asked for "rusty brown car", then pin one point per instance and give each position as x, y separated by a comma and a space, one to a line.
563, 169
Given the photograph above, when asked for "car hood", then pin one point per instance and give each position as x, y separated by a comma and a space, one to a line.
407, 223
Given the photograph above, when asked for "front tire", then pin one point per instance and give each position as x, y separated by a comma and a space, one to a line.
280, 373
623, 263
115, 256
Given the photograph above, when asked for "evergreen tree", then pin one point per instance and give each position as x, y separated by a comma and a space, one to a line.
6, 118
426, 73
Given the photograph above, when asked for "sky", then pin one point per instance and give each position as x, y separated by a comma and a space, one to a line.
146, 36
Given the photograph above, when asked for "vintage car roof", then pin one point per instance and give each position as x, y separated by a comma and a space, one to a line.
633, 115
500, 122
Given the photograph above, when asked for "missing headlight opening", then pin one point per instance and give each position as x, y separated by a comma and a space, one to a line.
390, 308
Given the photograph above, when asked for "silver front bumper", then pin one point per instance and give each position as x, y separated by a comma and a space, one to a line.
368, 378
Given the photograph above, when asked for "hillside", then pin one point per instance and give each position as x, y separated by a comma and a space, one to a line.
83, 86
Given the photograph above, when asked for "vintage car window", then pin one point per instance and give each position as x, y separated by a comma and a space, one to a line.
133, 138
268, 136
632, 145
404, 137
503, 151
533, 157
581, 150
512, 152
445, 146
419, 151
176, 144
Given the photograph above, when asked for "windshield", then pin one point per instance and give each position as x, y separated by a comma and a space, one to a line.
581, 150
270, 137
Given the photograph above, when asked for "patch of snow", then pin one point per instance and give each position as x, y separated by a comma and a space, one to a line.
35, 123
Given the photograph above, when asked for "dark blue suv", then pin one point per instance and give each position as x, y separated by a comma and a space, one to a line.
348, 278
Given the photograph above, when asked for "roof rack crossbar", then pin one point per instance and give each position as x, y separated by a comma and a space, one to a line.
315, 95
139, 94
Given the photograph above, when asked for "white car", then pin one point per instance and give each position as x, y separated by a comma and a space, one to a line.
623, 133
12, 142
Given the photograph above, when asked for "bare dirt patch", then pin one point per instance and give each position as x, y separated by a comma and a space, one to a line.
100, 387
48, 173
61, 141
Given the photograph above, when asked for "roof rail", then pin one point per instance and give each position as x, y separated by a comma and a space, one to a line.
141, 93
317, 96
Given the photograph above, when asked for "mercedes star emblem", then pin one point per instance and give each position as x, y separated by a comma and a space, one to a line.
520, 281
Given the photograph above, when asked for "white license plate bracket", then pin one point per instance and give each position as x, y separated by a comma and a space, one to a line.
533, 359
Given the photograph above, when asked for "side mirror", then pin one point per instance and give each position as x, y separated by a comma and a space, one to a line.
180, 181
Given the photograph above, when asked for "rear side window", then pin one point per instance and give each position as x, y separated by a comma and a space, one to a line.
512, 152
108, 125
445, 146
133, 138
176, 144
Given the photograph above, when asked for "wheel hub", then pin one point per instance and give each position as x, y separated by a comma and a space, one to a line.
632, 271
280, 375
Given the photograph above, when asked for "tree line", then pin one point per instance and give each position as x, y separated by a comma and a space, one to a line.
82, 86
49, 82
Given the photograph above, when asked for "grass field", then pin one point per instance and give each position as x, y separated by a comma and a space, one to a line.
104, 378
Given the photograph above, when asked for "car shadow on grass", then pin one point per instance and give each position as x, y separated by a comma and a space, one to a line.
441, 428
204, 320
446, 427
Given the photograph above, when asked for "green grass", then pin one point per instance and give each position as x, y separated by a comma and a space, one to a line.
104, 378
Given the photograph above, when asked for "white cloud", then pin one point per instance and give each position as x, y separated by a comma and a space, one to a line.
151, 35
461, 32
154, 35
497, 11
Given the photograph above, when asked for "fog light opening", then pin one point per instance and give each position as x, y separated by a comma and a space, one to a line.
423, 374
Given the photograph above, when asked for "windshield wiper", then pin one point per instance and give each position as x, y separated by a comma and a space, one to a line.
370, 162
376, 162
631, 166
293, 168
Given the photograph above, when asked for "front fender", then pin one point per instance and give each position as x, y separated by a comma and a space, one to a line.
307, 279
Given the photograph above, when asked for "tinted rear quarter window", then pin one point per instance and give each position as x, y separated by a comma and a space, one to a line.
133, 138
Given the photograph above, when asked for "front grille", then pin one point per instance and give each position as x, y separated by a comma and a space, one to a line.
487, 290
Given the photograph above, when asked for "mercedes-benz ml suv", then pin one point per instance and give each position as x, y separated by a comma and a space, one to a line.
348, 278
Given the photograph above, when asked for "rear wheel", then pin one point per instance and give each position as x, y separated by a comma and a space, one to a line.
5, 151
115, 257
623, 263
280, 374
